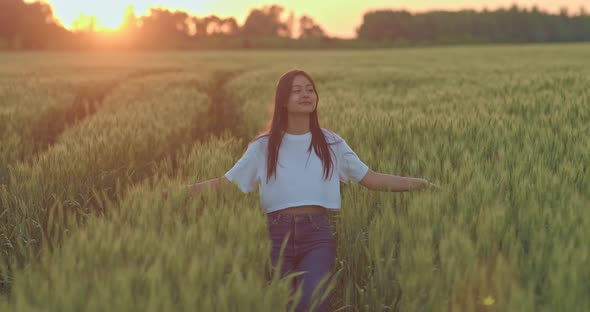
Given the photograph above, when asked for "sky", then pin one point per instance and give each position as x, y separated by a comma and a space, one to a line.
338, 18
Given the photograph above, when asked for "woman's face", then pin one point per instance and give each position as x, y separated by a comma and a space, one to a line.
303, 98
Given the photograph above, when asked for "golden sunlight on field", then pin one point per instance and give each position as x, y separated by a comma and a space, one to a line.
89, 141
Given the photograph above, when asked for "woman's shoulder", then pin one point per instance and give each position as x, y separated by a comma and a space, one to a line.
331, 136
259, 140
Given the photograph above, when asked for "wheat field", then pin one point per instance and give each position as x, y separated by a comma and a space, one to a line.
88, 140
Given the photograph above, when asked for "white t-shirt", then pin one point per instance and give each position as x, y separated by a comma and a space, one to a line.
299, 174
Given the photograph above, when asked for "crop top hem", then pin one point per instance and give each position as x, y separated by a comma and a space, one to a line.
332, 206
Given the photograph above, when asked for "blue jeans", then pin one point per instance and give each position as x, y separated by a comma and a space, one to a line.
309, 248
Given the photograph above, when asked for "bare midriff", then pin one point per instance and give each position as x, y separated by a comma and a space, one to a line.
308, 209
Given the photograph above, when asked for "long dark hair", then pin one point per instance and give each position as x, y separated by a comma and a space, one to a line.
277, 126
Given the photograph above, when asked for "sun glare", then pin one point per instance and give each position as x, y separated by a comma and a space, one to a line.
91, 23
104, 16
100, 19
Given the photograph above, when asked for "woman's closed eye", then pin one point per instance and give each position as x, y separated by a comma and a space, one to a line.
299, 91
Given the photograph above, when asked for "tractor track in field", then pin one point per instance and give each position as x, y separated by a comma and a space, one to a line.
222, 112
87, 101
222, 116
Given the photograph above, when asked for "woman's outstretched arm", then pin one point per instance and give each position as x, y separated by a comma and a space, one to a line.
376, 181
209, 185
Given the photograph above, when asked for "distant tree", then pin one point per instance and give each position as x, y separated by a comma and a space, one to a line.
165, 26
581, 25
265, 22
290, 24
385, 25
130, 21
28, 25
10, 11
200, 26
221, 26
309, 29
214, 25
229, 26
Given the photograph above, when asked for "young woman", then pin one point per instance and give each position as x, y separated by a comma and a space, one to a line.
298, 167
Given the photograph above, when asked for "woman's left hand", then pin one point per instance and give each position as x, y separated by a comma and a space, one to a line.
432, 187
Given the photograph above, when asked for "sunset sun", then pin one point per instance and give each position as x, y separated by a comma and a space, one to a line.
84, 22
100, 18
106, 15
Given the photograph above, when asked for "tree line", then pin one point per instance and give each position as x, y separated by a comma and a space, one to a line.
467, 26
33, 26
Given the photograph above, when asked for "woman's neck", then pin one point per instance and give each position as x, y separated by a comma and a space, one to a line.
298, 124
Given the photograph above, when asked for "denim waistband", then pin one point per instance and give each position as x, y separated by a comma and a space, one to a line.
278, 215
